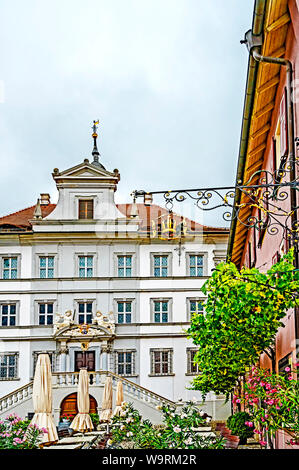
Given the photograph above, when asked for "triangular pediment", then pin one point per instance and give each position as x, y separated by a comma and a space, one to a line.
84, 170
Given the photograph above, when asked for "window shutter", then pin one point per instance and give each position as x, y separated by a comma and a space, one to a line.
283, 125
85, 209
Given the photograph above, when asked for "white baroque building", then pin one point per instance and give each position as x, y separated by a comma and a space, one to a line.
106, 286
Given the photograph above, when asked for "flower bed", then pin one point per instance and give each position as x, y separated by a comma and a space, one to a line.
18, 433
180, 429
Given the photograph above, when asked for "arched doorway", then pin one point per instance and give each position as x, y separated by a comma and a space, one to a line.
69, 405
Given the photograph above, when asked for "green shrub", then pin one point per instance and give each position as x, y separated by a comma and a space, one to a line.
95, 419
236, 423
178, 431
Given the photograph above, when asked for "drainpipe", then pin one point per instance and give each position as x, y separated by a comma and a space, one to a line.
254, 43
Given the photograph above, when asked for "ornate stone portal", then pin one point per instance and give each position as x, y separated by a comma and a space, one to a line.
66, 331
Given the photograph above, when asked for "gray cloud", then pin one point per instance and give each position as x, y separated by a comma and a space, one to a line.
165, 78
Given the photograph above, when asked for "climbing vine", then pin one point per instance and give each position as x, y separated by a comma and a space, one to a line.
243, 312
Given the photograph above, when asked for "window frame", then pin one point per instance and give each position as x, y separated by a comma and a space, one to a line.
193, 299
85, 200
10, 256
46, 314
169, 256
153, 311
16, 354
190, 365
205, 263
86, 255
116, 353
125, 312
9, 303
85, 301
125, 256
169, 372
47, 256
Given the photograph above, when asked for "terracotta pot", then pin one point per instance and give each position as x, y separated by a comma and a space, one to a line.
220, 426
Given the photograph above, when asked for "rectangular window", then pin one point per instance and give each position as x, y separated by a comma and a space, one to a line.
46, 267
124, 265
85, 209
85, 266
160, 265
45, 313
195, 307
161, 311
161, 361
10, 267
8, 366
125, 362
8, 314
196, 265
124, 312
192, 368
85, 312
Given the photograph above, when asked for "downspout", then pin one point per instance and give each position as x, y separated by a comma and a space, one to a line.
253, 44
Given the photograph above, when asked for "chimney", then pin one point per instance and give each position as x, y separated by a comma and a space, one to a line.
44, 199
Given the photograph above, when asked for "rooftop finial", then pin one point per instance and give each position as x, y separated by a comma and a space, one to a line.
95, 152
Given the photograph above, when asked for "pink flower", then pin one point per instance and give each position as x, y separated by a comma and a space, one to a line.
238, 400
17, 441
290, 377
263, 443
287, 369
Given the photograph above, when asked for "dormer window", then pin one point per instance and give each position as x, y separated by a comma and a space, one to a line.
85, 209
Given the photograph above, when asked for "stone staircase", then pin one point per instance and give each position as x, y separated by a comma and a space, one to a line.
65, 383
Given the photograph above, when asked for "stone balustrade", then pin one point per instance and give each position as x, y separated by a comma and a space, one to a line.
96, 379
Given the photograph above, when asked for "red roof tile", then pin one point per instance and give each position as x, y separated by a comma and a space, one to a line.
21, 219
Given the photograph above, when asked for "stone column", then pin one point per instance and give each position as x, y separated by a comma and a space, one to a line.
104, 356
63, 352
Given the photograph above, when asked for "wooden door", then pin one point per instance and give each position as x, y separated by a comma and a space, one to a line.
84, 359
69, 405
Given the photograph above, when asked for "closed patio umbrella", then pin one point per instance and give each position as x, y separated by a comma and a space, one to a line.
82, 421
42, 399
119, 398
106, 412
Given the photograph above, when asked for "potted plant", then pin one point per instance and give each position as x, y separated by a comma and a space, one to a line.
66, 417
236, 423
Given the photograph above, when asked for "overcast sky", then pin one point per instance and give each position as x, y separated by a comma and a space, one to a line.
166, 79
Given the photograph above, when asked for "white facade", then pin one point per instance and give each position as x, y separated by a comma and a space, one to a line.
47, 263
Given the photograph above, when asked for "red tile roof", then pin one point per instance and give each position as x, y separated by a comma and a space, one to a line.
156, 213
21, 219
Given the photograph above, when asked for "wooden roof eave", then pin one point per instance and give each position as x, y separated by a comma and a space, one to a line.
251, 154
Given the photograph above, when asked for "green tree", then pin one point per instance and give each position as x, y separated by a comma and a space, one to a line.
243, 312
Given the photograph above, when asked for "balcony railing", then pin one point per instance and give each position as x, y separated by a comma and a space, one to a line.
96, 379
